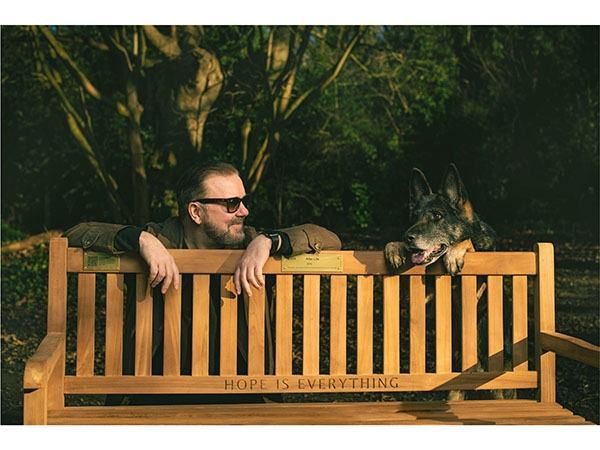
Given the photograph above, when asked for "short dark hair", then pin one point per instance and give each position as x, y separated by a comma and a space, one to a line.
191, 184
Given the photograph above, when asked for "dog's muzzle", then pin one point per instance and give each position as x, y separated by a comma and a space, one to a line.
424, 257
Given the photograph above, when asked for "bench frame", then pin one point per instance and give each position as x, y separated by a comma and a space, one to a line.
45, 382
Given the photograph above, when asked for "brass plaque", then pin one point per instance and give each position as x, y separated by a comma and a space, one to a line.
312, 263
100, 261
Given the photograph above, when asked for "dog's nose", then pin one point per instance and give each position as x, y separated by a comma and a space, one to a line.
409, 238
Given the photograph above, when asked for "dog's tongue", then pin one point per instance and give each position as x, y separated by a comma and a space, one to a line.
419, 257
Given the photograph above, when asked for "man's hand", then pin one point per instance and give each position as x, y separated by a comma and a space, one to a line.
160, 262
250, 266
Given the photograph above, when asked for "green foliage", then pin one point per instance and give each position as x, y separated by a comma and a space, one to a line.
360, 211
10, 234
516, 108
25, 279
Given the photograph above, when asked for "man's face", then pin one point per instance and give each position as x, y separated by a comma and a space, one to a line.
225, 229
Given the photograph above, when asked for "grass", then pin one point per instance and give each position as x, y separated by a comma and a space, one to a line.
24, 281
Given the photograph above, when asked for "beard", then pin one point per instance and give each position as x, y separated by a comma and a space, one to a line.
229, 237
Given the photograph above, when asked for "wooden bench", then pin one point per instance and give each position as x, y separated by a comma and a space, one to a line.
377, 301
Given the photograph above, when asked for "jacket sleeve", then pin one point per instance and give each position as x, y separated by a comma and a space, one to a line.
310, 238
95, 236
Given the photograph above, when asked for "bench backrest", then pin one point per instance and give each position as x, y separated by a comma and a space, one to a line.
366, 335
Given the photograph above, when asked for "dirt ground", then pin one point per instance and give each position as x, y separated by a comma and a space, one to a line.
577, 314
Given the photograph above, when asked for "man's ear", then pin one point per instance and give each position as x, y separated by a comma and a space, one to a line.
418, 187
195, 213
453, 188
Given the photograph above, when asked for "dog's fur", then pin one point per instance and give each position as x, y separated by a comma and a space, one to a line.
443, 225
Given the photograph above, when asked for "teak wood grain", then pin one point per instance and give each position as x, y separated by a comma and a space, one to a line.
338, 325
157, 316
283, 325
310, 331
143, 326
353, 263
114, 324
256, 332
86, 313
200, 324
443, 324
364, 324
417, 324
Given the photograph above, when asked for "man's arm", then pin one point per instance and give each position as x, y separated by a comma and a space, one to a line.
309, 238
96, 236
116, 239
306, 238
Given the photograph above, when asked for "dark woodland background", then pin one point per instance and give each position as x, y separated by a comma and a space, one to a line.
324, 123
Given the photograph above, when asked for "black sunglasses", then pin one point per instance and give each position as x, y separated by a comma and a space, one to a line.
233, 203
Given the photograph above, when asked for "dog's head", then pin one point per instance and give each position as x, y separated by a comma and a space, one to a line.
439, 220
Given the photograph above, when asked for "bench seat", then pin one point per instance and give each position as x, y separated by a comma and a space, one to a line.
472, 412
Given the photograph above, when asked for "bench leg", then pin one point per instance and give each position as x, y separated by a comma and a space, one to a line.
35, 407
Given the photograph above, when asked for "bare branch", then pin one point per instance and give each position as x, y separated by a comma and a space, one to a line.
78, 74
120, 49
167, 45
334, 73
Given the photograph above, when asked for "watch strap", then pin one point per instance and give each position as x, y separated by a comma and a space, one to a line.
275, 240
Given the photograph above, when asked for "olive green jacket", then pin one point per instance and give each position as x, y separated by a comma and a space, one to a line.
100, 237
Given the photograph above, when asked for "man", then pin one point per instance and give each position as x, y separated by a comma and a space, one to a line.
212, 211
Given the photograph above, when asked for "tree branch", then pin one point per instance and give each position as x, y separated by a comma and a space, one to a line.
334, 73
77, 73
168, 46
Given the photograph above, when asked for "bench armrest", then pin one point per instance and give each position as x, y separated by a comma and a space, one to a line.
42, 364
571, 347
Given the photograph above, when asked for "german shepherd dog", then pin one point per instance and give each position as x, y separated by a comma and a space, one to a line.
444, 225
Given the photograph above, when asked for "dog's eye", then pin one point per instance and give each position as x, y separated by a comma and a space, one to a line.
436, 216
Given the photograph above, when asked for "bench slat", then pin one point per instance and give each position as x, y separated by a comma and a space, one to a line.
544, 311
114, 324
443, 324
571, 347
354, 263
469, 323
57, 286
338, 312
472, 412
364, 324
172, 331
391, 324
200, 324
256, 332
417, 324
302, 383
495, 327
86, 299
229, 312
143, 326
310, 332
520, 353
283, 325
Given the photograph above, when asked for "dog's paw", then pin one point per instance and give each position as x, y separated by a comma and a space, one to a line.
395, 254
454, 260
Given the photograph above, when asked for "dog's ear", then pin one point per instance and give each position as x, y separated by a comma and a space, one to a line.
454, 190
453, 187
418, 188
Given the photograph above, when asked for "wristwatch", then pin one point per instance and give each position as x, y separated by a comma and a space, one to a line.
275, 240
